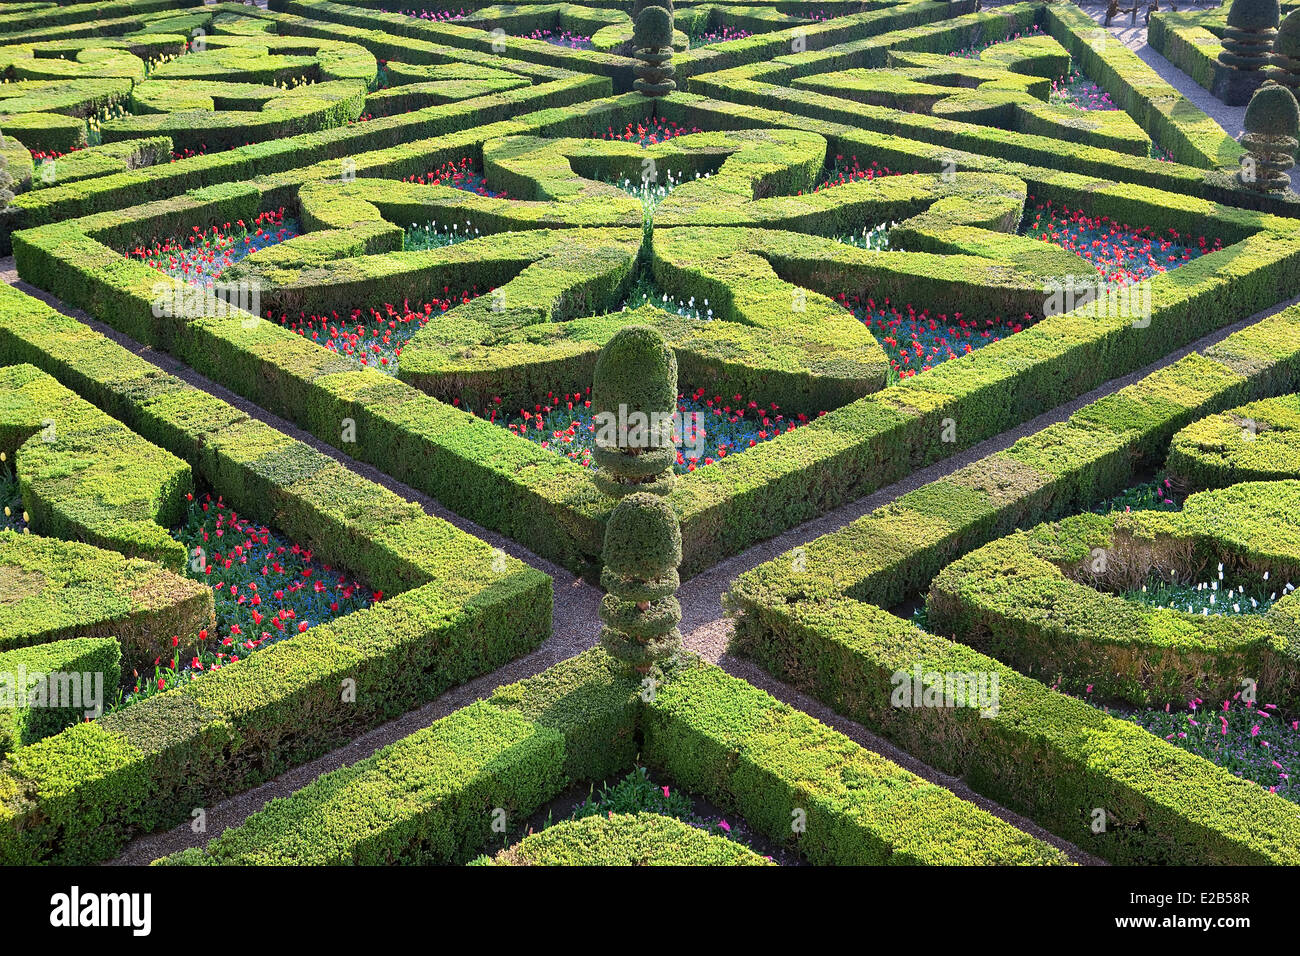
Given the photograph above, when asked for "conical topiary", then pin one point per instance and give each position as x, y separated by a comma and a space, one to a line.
1285, 63
1272, 127
652, 41
634, 399
639, 612
1248, 39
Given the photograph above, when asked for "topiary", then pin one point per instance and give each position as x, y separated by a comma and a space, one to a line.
654, 29
1248, 38
640, 5
652, 41
1272, 126
7, 209
634, 399
643, 547
1285, 63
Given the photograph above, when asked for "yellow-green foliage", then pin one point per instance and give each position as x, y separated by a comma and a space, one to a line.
1255, 442
637, 839
51, 590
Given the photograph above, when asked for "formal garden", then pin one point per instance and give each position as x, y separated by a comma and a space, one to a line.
648, 432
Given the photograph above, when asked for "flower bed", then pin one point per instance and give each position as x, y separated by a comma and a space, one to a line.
1121, 253
1251, 741
264, 589
1078, 91
202, 256
708, 429
459, 174
373, 337
918, 341
648, 131
565, 38
12, 514
720, 35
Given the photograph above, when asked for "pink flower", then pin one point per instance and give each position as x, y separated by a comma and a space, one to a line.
724, 826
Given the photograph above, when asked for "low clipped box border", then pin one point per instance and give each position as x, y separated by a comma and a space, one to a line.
437, 789
1255, 442
844, 454
1050, 602
56, 590
639, 839
1051, 757
447, 616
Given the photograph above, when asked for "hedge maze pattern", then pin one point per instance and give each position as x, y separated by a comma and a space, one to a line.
853, 238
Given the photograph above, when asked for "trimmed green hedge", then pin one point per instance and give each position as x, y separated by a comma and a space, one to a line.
1050, 757
84, 475
186, 111
1156, 106
637, 839
1173, 122
435, 796
17, 19
392, 143
1182, 40
439, 790
429, 798
1050, 602
1056, 759
545, 502
51, 686
1255, 442
105, 160
52, 590
794, 779
453, 608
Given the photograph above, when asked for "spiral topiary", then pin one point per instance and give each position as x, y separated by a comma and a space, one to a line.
652, 39
634, 394
640, 612
634, 398
1272, 127
1248, 39
1285, 64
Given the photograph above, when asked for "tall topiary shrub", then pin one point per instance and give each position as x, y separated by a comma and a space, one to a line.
1272, 126
1248, 38
7, 210
640, 613
634, 395
652, 40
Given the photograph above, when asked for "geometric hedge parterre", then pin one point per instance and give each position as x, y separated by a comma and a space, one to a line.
286, 282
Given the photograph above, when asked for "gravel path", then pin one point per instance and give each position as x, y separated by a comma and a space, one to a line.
1230, 118
575, 621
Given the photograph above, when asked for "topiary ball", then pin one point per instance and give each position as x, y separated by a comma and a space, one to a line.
643, 539
1273, 111
654, 29
1287, 41
636, 370
1254, 14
